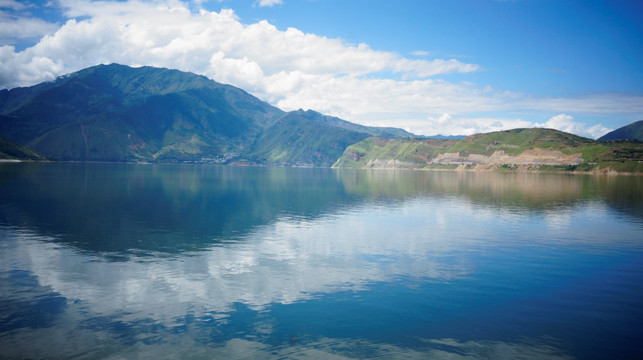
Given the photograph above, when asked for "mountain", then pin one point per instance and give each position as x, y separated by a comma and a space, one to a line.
633, 131
308, 137
119, 113
518, 149
304, 138
12, 151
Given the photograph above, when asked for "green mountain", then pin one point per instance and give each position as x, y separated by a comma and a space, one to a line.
307, 138
12, 151
519, 149
633, 131
119, 113
304, 139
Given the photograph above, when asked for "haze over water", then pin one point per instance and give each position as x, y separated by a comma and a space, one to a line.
206, 262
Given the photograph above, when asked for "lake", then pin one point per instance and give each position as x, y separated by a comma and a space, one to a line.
124, 261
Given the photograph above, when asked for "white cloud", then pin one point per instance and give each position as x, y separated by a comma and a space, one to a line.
355, 96
270, 2
26, 68
425, 68
13, 5
420, 53
564, 122
168, 34
201, 2
288, 68
20, 27
607, 103
446, 124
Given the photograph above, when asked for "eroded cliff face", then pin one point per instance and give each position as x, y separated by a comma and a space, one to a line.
536, 156
389, 164
530, 159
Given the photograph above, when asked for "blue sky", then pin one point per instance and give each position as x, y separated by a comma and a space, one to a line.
545, 47
432, 66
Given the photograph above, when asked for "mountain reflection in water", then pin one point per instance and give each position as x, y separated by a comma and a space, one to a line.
137, 261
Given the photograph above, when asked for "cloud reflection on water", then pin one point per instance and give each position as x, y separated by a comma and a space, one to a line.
291, 260
288, 261
362, 230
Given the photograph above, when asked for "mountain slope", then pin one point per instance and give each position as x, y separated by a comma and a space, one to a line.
633, 131
527, 149
331, 121
304, 138
13, 151
118, 113
114, 112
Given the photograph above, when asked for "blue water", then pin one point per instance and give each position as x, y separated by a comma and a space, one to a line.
116, 261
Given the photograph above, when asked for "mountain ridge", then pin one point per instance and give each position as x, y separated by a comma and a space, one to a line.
131, 114
119, 113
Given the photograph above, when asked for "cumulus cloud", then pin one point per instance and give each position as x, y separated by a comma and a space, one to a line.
564, 122
212, 43
289, 68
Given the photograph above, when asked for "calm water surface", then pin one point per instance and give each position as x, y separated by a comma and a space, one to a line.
114, 261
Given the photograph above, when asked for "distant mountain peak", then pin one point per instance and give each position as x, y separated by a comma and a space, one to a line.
633, 131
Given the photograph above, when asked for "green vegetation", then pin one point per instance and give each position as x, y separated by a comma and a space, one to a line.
516, 141
408, 152
512, 150
12, 151
298, 139
119, 113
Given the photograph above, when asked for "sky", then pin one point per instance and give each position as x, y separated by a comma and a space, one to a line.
450, 67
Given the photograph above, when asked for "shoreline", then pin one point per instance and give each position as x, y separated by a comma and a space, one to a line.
461, 168
601, 172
